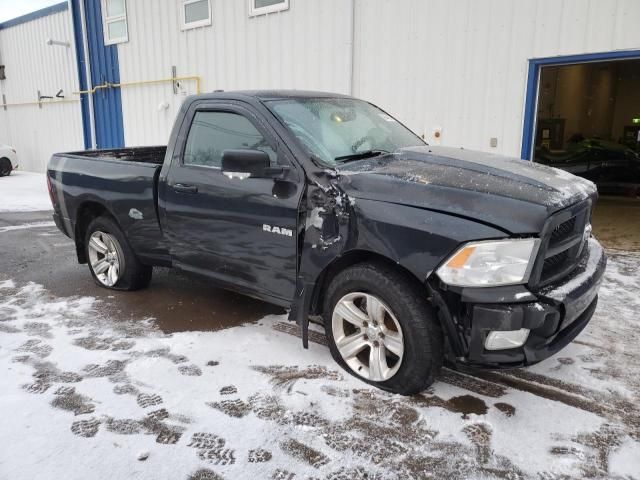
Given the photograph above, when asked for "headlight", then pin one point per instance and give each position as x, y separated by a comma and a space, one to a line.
490, 263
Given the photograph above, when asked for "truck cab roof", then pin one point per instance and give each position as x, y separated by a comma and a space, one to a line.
268, 94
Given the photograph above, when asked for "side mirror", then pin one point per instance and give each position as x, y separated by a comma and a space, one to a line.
243, 164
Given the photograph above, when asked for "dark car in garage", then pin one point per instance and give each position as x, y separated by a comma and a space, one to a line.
614, 168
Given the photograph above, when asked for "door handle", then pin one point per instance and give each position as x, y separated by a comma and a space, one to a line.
183, 188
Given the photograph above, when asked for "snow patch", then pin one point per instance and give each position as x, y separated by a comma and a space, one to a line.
624, 460
86, 395
26, 226
24, 192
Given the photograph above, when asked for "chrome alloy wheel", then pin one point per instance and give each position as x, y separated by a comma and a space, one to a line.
105, 258
368, 336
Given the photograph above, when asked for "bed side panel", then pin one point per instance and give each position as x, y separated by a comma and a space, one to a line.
124, 189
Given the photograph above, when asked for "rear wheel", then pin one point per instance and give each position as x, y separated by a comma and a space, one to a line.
111, 261
381, 329
5, 167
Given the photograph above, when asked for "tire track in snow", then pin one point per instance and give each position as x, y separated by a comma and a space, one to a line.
494, 384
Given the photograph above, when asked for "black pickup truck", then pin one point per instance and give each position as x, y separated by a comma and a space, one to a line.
329, 206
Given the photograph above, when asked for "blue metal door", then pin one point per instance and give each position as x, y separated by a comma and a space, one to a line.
103, 64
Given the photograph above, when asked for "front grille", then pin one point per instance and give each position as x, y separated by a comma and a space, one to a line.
562, 231
562, 241
554, 264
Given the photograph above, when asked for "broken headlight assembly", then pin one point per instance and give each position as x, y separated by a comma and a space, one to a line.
490, 263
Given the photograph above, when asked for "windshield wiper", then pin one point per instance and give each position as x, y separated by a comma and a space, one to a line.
360, 155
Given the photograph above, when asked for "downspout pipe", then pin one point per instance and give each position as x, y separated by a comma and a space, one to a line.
76, 7
352, 45
87, 66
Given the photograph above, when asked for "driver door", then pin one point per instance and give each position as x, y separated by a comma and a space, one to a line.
216, 224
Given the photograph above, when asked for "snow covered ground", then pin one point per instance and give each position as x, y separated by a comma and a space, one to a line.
24, 192
86, 395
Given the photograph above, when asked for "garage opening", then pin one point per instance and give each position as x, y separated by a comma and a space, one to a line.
588, 123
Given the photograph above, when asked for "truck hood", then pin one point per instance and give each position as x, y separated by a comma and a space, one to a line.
508, 193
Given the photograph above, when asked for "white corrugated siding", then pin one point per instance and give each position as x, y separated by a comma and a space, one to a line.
32, 65
306, 46
462, 65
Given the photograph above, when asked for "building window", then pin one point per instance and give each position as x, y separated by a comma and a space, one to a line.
114, 21
196, 13
260, 7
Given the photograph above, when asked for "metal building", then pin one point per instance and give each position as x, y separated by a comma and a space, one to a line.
517, 78
38, 61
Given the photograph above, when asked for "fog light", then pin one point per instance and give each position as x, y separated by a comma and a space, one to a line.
504, 339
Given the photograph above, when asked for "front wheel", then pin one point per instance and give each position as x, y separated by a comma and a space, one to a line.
382, 330
111, 260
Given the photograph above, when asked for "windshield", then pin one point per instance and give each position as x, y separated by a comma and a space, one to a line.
340, 129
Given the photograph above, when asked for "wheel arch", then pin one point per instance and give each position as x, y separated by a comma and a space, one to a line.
354, 257
87, 211
7, 159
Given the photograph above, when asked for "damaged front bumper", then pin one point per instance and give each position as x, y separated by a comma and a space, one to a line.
554, 316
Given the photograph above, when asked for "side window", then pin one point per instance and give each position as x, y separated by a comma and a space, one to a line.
261, 7
212, 133
114, 21
195, 13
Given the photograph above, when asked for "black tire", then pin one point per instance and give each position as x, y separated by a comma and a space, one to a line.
421, 332
133, 275
5, 167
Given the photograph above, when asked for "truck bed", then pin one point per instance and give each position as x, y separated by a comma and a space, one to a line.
153, 155
124, 181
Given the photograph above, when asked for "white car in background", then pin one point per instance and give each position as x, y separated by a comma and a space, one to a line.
8, 160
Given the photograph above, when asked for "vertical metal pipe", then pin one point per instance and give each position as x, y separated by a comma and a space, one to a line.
87, 66
352, 45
